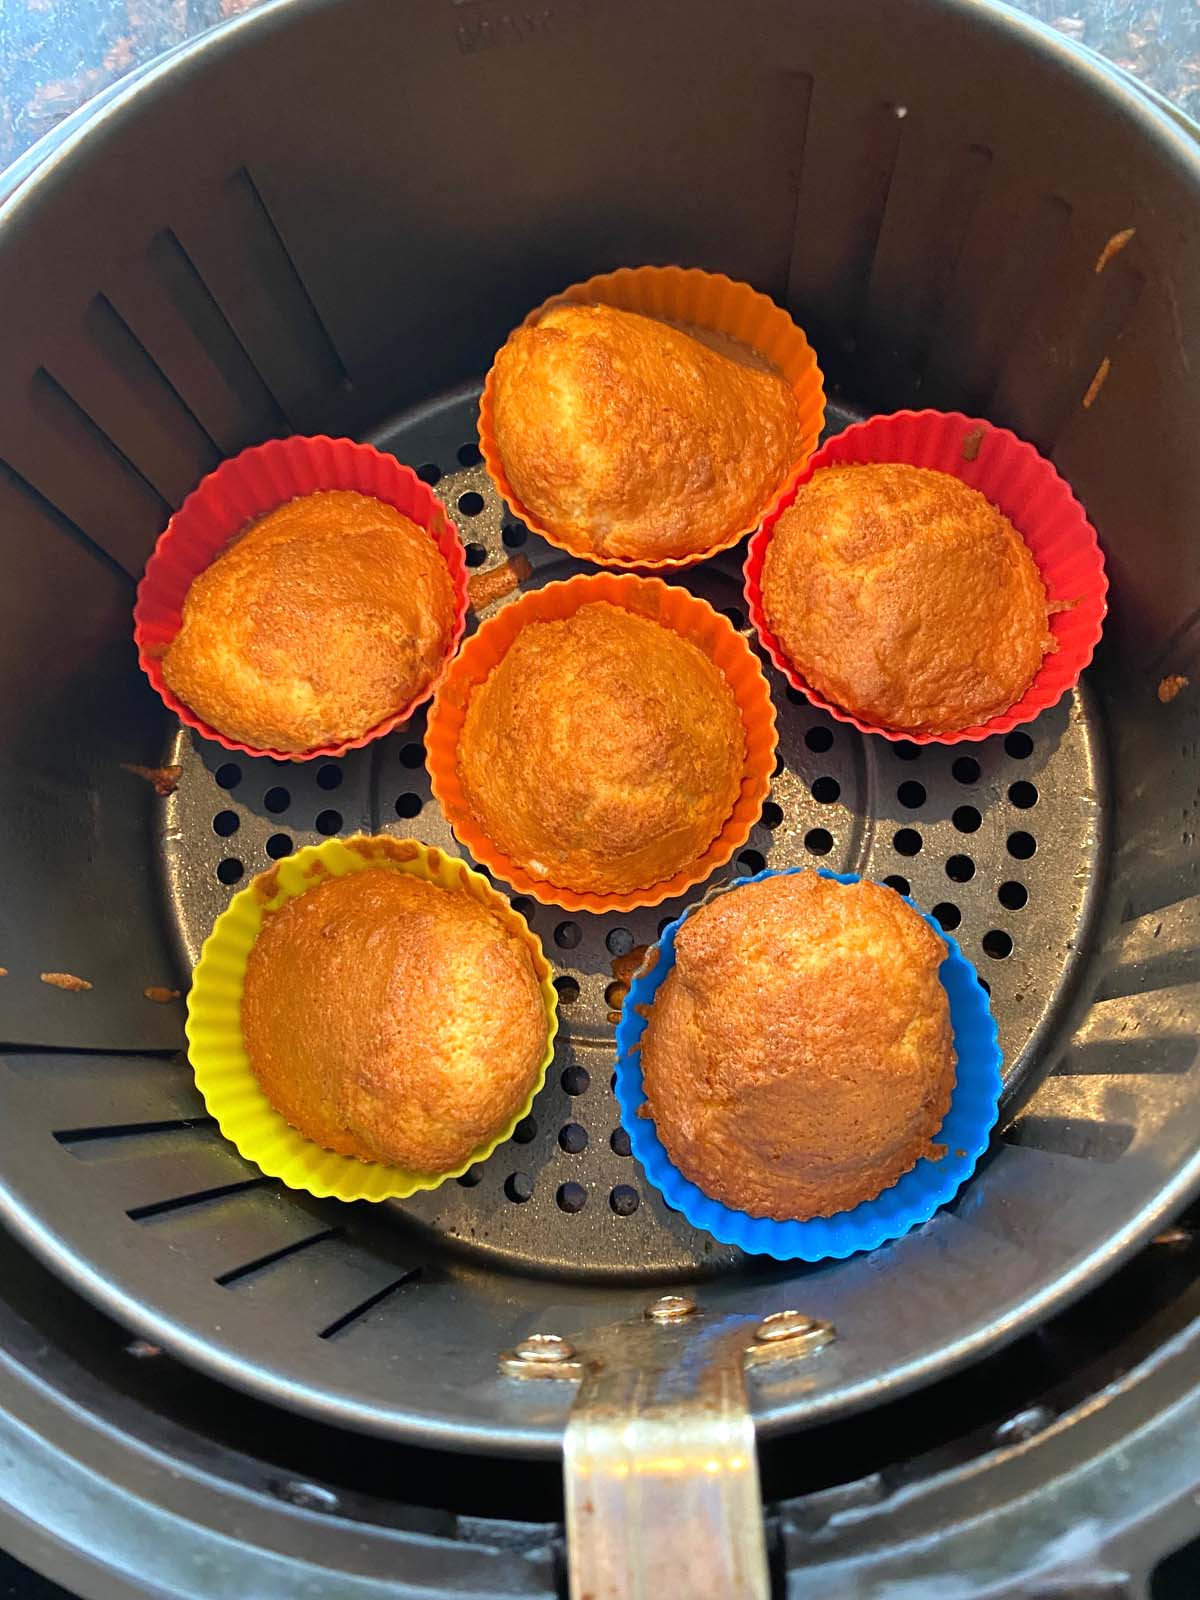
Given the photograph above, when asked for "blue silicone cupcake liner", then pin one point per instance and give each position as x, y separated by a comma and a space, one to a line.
911, 1200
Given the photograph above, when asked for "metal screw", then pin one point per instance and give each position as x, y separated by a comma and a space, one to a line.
545, 1347
671, 1308
785, 1325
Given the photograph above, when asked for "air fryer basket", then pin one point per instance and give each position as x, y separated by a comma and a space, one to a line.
326, 219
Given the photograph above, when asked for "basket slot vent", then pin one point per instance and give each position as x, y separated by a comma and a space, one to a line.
1077, 1137
1157, 951
326, 1290
272, 1257
244, 263
164, 300
356, 1313
199, 1197
34, 507
130, 1130
85, 1091
1008, 257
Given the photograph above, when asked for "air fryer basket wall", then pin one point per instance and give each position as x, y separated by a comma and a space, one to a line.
326, 219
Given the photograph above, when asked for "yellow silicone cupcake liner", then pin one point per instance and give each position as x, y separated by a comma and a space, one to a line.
214, 1019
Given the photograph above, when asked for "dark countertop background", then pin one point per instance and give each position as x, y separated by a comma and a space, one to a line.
56, 54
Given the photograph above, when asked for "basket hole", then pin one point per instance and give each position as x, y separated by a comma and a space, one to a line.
469, 454
998, 944
794, 695
1023, 795
1012, 895
225, 823
412, 755
772, 814
751, 861
619, 941
408, 805
826, 790
664, 925
471, 1177
1018, 745
901, 885
515, 535
960, 869
624, 1199
518, 1187
568, 990
524, 906
984, 985
966, 819
277, 799
911, 794
228, 775
1021, 845
329, 777
572, 1138
571, 1197
614, 994
429, 472
471, 503
476, 554
525, 1131
819, 740
906, 842
576, 1080
966, 769
906, 751
947, 915
329, 822
780, 766
734, 615
567, 935
619, 1142
278, 846
230, 870
818, 841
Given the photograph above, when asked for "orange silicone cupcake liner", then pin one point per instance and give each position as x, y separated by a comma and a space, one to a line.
1032, 495
698, 299
674, 608
249, 485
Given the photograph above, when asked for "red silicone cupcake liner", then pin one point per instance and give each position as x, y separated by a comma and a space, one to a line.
251, 484
1032, 495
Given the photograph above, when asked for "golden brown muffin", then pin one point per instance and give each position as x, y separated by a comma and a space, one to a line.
392, 1020
604, 752
324, 618
628, 437
905, 597
799, 1056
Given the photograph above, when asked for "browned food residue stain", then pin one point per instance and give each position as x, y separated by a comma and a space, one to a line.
625, 968
1114, 247
971, 444
160, 995
1170, 686
496, 582
164, 779
65, 980
1097, 383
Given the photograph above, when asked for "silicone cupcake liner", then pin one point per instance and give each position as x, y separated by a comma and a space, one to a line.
696, 299
910, 1201
249, 485
214, 1019
1031, 494
649, 597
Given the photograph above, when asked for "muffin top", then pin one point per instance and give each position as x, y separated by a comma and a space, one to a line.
630, 438
393, 1020
604, 752
325, 617
905, 597
799, 1056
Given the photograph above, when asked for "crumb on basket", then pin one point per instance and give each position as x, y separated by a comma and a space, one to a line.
65, 980
1114, 247
164, 779
496, 582
1168, 687
971, 444
1097, 383
3, 972
625, 968
160, 995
